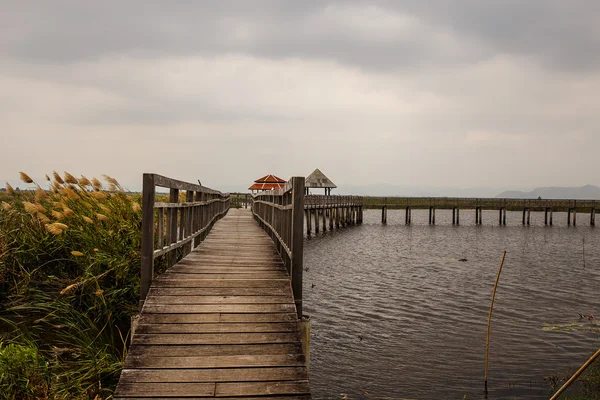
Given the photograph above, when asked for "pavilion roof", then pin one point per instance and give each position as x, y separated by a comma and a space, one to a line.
318, 180
270, 179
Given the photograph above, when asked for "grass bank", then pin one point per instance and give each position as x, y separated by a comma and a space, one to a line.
69, 283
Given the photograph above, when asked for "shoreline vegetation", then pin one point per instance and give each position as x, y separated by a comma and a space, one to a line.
69, 284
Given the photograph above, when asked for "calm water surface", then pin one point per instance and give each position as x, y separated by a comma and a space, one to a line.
396, 315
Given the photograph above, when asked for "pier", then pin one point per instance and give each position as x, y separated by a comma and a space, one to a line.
477, 205
224, 319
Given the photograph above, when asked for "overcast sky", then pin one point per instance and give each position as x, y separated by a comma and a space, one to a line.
495, 93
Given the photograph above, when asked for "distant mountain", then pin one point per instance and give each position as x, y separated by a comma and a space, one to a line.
587, 192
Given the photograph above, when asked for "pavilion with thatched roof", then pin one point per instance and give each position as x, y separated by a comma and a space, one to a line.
267, 182
318, 180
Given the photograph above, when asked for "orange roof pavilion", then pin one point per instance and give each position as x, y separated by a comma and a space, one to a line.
268, 182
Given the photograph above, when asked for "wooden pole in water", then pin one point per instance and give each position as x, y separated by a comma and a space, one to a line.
575, 376
487, 341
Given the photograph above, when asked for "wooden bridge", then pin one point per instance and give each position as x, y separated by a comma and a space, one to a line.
224, 318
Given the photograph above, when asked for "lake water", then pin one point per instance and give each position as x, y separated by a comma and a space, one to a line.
395, 315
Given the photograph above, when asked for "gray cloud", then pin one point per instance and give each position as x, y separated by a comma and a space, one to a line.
372, 35
469, 93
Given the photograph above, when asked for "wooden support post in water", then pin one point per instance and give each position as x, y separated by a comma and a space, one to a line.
297, 241
574, 217
504, 217
569, 217
551, 216
593, 217
384, 215
308, 223
316, 215
524, 215
546, 216
324, 219
457, 216
331, 212
433, 219
453, 215
529, 216
476, 215
500, 217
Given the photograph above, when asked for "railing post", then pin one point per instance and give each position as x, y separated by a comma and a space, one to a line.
297, 240
147, 267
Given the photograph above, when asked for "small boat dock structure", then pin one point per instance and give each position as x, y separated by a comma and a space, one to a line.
225, 319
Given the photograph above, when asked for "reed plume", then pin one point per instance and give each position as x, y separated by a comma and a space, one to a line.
47, 178
70, 178
88, 220
77, 253
30, 207
9, 189
57, 177
25, 178
96, 184
136, 207
101, 217
56, 228
83, 181
6, 206
40, 194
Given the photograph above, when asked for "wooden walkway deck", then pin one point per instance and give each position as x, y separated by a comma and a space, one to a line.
221, 323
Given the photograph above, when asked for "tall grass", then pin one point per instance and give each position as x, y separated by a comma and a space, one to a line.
69, 283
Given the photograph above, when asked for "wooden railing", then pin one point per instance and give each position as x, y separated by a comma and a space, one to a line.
180, 224
319, 201
281, 214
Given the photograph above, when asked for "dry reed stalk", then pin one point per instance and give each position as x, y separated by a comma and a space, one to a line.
487, 341
576, 375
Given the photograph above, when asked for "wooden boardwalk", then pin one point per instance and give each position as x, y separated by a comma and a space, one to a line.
221, 323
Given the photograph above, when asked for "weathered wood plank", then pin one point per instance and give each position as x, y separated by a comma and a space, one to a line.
216, 338
186, 291
220, 300
128, 389
211, 318
185, 281
216, 350
165, 365
216, 328
261, 388
284, 397
152, 307
191, 369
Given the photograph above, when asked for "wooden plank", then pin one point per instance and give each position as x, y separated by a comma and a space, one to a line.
216, 328
217, 291
146, 368
216, 350
284, 397
216, 338
164, 300
175, 370
151, 307
212, 318
128, 389
247, 276
261, 388
179, 281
